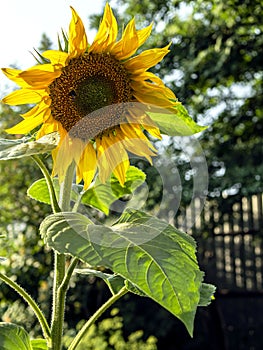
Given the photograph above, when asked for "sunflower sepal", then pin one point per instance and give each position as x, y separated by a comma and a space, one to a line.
39, 58
65, 39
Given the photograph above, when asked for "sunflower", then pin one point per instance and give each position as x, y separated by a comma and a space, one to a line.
91, 94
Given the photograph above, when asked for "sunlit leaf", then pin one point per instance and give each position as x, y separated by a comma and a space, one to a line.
155, 257
178, 123
39, 190
13, 337
39, 344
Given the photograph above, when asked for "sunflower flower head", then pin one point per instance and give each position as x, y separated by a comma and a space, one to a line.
96, 96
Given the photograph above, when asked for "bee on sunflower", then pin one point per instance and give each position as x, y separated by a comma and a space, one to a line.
91, 94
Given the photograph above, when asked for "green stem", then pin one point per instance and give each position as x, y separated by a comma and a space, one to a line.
66, 188
52, 193
77, 203
59, 293
95, 316
41, 318
68, 274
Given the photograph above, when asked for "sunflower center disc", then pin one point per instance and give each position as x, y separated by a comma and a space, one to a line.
86, 85
94, 93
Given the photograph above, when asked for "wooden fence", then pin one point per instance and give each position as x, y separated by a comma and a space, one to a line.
230, 240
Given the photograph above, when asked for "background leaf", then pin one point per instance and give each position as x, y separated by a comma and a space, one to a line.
39, 190
155, 257
13, 337
101, 196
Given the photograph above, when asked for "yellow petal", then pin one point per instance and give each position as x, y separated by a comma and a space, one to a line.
104, 168
155, 99
62, 158
13, 74
117, 157
31, 112
134, 131
133, 143
26, 125
23, 96
87, 165
56, 57
77, 149
159, 96
146, 59
142, 76
39, 78
112, 158
107, 32
47, 67
78, 42
128, 44
39, 108
151, 127
47, 128
143, 34
149, 88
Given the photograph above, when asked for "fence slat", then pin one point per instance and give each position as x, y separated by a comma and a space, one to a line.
233, 251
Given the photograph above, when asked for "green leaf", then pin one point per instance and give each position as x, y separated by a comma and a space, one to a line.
39, 344
155, 257
206, 294
114, 282
178, 123
24, 147
133, 289
39, 190
13, 337
101, 196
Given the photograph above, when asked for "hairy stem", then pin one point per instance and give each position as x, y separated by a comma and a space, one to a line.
60, 279
41, 318
95, 316
52, 193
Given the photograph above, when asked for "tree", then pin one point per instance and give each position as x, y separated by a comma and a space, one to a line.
215, 69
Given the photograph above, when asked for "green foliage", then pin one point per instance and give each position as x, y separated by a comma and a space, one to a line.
38, 344
100, 195
178, 123
148, 256
168, 273
114, 282
13, 337
108, 335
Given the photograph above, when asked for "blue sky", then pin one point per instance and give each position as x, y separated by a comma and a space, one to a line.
22, 23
